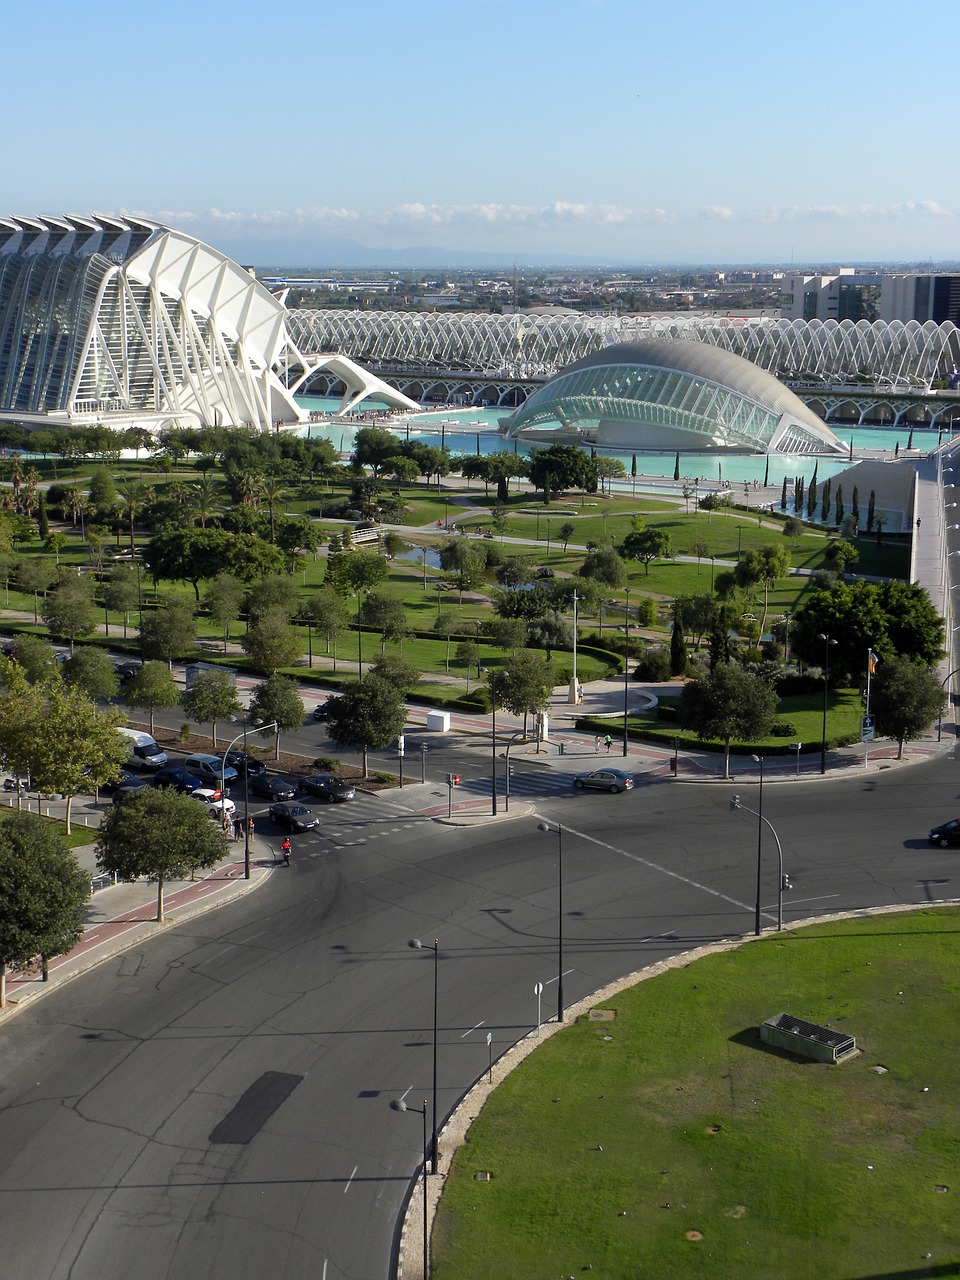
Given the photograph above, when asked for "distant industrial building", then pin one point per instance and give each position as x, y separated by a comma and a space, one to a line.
855, 295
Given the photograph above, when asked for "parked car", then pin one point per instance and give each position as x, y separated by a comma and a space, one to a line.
218, 806
272, 788
177, 778
131, 788
328, 787
613, 780
321, 711
16, 784
124, 779
211, 769
293, 816
242, 760
946, 834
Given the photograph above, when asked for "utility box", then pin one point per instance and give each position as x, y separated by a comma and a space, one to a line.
438, 721
807, 1039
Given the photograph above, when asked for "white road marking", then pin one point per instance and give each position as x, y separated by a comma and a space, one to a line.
466, 1033
565, 972
350, 1179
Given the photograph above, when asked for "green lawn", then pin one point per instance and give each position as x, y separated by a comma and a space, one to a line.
719, 1157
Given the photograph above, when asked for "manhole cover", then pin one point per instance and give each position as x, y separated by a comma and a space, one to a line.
602, 1015
694, 1235
482, 1176
941, 1190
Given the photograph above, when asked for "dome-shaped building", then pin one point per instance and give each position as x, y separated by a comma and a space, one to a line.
672, 395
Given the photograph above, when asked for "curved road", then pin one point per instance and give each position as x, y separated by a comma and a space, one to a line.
216, 1104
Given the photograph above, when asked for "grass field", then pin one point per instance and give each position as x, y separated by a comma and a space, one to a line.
721, 1157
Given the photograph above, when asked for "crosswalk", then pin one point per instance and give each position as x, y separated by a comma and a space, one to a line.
535, 782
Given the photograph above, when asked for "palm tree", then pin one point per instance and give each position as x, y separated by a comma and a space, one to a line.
248, 486
272, 490
133, 498
205, 500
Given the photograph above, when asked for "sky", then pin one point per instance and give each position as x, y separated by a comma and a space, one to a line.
594, 131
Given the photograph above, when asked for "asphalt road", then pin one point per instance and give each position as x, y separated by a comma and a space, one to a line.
292, 1018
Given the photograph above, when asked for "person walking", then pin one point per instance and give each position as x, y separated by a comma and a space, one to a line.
596, 745
609, 741
250, 829
238, 828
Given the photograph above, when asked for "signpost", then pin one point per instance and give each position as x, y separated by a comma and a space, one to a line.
400, 749
538, 992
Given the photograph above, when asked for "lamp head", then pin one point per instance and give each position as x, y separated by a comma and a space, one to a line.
398, 1104
415, 943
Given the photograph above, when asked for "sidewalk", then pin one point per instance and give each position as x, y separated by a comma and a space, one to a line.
124, 915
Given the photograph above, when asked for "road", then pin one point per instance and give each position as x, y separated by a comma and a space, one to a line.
129, 1143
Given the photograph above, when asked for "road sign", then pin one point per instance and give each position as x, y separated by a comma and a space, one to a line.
867, 728
400, 745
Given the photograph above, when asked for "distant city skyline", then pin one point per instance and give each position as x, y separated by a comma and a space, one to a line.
598, 132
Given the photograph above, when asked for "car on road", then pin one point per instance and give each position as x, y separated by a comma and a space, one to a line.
321, 711
218, 806
178, 779
613, 780
293, 816
211, 769
328, 787
273, 788
946, 834
127, 671
241, 760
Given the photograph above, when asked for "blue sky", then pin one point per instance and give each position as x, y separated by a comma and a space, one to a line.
604, 130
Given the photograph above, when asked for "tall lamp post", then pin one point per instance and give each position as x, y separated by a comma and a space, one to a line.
545, 826
784, 882
246, 789
827, 642
573, 695
626, 668
398, 1104
418, 945
756, 924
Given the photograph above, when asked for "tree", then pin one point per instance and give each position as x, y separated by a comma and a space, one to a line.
387, 615
606, 566
159, 834
550, 632
525, 682
369, 714
69, 611
211, 697
187, 554
566, 532
465, 564
91, 670
153, 687
169, 633
223, 599
645, 545
729, 704
276, 700
562, 466
37, 660
907, 698
76, 745
35, 576
467, 652
272, 643
397, 671
448, 625
43, 891
121, 593
273, 593
842, 556
762, 567
792, 528
326, 611
678, 641
871, 510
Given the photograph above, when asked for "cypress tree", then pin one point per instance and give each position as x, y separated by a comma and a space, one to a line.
678, 642
676, 467
766, 472
910, 439
871, 510
43, 523
812, 496
838, 517
783, 495
825, 504
855, 507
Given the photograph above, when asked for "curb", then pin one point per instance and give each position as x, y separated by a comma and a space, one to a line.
523, 809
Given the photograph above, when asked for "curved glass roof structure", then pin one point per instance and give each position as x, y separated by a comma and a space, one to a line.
674, 395
895, 354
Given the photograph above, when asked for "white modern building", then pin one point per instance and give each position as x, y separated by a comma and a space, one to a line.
128, 322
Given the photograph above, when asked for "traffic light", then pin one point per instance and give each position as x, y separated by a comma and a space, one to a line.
786, 882
453, 779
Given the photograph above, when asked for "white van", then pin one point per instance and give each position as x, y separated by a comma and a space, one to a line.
144, 752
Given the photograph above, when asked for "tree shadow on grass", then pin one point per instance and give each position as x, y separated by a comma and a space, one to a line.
750, 1039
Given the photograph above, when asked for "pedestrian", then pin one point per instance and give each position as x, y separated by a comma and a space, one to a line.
596, 745
918, 522
286, 849
238, 828
250, 829
226, 827
609, 741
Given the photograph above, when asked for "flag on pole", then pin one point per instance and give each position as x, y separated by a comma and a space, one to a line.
872, 661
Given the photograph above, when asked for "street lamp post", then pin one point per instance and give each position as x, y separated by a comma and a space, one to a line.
573, 695
827, 642
545, 826
626, 666
756, 924
418, 945
398, 1104
246, 789
783, 884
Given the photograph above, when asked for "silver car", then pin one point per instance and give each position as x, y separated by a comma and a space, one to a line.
613, 780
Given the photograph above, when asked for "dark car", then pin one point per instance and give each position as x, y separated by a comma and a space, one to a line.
132, 787
272, 788
328, 787
614, 780
178, 779
946, 834
125, 779
127, 671
243, 762
293, 816
321, 711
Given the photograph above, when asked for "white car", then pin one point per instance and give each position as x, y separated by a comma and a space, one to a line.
217, 806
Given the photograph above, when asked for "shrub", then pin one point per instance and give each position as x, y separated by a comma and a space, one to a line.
326, 764
783, 729
667, 711
653, 666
